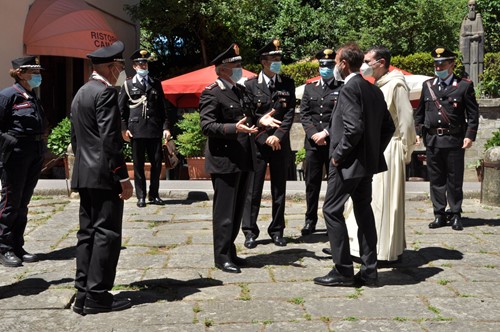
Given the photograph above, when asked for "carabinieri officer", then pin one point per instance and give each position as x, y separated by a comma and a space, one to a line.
22, 125
447, 119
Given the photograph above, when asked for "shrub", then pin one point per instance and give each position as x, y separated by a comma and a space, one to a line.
489, 84
191, 141
493, 140
60, 137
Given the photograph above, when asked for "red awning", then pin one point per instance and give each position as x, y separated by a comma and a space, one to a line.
184, 91
65, 28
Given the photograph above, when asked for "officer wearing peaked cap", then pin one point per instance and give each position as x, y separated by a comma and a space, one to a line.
229, 153
22, 125
316, 108
447, 120
269, 91
145, 124
100, 177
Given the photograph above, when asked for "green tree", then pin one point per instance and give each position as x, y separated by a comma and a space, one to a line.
490, 12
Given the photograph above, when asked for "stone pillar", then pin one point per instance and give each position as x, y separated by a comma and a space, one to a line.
490, 187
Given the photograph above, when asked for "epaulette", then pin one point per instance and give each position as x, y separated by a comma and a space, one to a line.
315, 81
211, 86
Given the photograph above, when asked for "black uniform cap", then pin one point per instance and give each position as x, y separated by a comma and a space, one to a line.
107, 54
140, 55
232, 54
271, 48
26, 62
326, 56
441, 54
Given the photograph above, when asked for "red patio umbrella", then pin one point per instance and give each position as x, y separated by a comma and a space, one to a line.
184, 91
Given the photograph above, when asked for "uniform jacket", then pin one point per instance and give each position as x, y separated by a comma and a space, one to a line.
264, 100
147, 119
460, 111
220, 109
316, 108
96, 137
360, 129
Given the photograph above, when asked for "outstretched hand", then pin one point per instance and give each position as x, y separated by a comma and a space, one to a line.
241, 127
268, 121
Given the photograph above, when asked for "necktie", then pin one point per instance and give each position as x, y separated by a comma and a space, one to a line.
442, 85
271, 85
236, 91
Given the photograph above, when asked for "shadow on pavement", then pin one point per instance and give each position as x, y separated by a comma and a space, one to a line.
154, 290
60, 254
192, 197
473, 222
29, 286
289, 257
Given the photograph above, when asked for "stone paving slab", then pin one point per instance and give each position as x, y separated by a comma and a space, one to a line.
446, 280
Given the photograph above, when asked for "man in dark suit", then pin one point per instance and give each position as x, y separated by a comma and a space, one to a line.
316, 108
360, 129
100, 177
144, 123
447, 119
229, 153
270, 91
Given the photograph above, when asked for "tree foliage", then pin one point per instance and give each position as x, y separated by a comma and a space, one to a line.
188, 33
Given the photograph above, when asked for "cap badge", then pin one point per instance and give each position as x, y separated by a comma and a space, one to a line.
143, 52
276, 44
439, 51
328, 52
37, 61
236, 49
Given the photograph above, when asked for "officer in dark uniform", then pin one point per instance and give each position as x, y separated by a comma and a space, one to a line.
100, 176
270, 91
316, 108
22, 125
145, 123
229, 154
447, 119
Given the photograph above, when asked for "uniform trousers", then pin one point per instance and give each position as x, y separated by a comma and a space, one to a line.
317, 161
99, 241
337, 193
445, 168
152, 147
230, 192
19, 178
278, 167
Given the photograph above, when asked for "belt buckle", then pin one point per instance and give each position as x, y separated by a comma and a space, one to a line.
440, 131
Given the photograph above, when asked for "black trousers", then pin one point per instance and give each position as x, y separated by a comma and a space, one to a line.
99, 241
230, 191
337, 193
278, 167
151, 147
445, 168
19, 178
316, 162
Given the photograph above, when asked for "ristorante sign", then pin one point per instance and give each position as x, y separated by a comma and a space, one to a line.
102, 39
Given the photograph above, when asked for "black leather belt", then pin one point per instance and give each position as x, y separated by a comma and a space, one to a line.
444, 131
29, 137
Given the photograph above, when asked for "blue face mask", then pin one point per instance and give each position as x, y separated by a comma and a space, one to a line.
326, 73
275, 67
442, 74
143, 72
35, 81
237, 74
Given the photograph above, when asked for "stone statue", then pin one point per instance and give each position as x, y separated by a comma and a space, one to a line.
472, 43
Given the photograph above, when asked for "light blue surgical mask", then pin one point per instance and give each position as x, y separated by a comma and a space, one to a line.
142, 72
442, 74
326, 73
237, 74
35, 81
275, 67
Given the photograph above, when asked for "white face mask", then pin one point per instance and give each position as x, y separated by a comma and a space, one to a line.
336, 74
121, 78
366, 70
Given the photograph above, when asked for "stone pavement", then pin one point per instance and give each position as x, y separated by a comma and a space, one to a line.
447, 280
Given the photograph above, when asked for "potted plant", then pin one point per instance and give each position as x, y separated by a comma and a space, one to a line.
191, 144
58, 142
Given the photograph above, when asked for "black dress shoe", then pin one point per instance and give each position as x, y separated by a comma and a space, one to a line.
309, 227
239, 261
93, 307
361, 280
157, 201
26, 256
334, 278
327, 251
279, 241
250, 242
228, 267
456, 223
79, 303
141, 203
10, 259
440, 221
